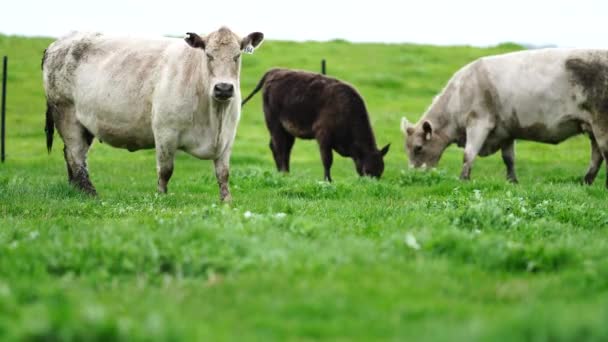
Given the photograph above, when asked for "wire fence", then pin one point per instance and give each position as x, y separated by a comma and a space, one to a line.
3, 111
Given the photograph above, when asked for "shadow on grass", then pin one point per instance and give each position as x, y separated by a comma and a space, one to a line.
27, 188
575, 180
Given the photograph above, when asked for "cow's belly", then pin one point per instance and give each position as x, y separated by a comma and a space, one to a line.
117, 137
549, 133
300, 130
494, 142
539, 132
128, 132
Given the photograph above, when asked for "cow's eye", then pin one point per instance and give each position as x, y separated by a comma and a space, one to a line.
209, 57
236, 58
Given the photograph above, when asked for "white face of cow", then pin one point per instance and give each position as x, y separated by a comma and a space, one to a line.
223, 58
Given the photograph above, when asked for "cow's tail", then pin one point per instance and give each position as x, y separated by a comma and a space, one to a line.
49, 127
255, 91
43, 59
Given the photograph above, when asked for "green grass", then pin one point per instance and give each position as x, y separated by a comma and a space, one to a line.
414, 256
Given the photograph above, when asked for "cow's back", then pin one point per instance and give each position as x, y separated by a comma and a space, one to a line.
531, 94
121, 67
291, 91
110, 82
531, 81
305, 102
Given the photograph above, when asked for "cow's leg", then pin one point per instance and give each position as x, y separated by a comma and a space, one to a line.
67, 164
274, 155
286, 151
274, 128
600, 132
595, 163
477, 133
508, 157
281, 143
166, 146
77, 141
222, 173
326, 154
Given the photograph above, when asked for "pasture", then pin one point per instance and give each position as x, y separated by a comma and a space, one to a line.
413, 256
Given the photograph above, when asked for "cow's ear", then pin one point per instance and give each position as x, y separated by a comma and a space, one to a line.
406, 126
195, 40
384, 150
252, 41
428, 130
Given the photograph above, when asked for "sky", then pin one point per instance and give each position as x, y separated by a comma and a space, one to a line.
565, 23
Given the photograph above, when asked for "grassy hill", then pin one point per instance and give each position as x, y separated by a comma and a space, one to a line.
413, 256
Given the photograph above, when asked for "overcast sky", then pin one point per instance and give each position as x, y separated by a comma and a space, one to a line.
568, 23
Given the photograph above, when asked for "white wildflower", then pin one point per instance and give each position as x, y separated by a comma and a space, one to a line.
410, 241
248, 214
5, 291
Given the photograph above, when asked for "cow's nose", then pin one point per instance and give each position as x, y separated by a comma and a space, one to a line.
223, 91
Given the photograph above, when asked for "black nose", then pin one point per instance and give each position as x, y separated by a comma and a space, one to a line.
223, 91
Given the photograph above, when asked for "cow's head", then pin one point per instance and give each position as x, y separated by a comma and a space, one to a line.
423, 144
372, 164
223, 51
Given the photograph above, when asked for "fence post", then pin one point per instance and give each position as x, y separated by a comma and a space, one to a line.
3, 109
323, 67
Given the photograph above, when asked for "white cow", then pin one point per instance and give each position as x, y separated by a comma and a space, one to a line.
146, 93
544, 95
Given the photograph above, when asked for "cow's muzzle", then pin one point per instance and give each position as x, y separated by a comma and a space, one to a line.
223, 91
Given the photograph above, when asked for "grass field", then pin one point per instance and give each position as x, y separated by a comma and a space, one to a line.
413, 256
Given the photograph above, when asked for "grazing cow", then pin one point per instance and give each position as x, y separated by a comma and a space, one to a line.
136, 94
544, 95
312, 106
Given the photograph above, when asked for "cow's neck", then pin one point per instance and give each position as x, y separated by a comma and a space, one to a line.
219, 112
364, 141
443, 117
359, 151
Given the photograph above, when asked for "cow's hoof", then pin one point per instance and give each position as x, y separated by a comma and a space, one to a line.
588, 180
512, 180
89, 192
225, 197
